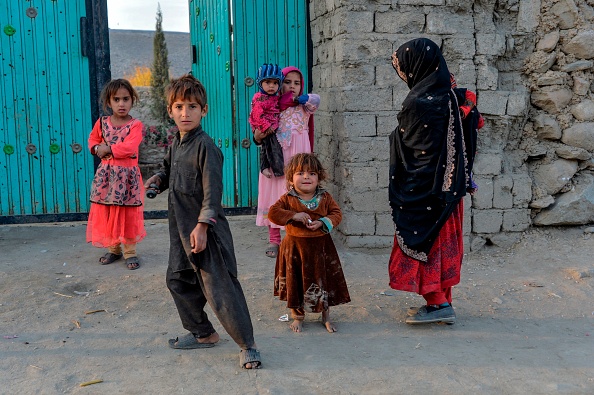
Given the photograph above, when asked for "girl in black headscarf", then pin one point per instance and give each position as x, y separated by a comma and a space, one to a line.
430, 169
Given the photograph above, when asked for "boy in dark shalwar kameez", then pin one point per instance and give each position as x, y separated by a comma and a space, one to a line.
202, 266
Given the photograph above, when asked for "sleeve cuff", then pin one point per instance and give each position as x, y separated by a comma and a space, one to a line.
326, 225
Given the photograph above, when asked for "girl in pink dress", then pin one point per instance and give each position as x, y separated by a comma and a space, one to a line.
117, 194
295, 135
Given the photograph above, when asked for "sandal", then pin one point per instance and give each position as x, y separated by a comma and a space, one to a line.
109, 258
272, 250
188, 342
132, 263
251, 356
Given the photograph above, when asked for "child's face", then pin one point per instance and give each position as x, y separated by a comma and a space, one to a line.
187, 114
121, 103
305, 182
292, 83
270, 86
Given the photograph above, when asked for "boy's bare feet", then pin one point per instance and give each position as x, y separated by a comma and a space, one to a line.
296, 325
326, 321
212, 339
267, 173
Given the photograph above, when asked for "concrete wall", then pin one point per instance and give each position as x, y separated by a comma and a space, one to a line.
500, 49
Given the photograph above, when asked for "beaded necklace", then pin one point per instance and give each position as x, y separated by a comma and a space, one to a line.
312, 203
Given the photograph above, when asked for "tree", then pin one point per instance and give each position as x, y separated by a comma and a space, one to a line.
159, 72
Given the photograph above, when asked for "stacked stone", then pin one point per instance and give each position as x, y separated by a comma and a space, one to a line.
561, 125
361, 95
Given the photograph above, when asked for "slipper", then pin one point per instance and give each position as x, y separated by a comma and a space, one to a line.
132, 263
251, 355
188, 342
109, 258
272, 250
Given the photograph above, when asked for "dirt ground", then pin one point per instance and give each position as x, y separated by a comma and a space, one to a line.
525, 323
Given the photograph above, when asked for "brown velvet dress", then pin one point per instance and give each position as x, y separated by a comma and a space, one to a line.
308, 273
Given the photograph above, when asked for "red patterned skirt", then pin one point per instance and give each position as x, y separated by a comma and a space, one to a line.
442, 269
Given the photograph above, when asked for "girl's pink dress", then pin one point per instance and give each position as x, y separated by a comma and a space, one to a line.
293, 136
117, 192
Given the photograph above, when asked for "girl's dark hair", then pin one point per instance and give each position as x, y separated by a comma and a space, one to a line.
111, 88
304, 162
186, 87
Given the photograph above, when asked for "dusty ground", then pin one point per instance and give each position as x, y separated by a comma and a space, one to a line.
525, 325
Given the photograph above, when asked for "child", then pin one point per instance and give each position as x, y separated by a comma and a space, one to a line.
472, 121
202, 266
427, 186
295, 135
264, 117
117, 194
308, 274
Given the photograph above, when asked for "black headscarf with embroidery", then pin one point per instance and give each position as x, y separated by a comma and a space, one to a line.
428, 159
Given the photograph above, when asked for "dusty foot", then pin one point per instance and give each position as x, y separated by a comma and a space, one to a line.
296, 325
213, 338
267, 173
326, 322
272, 250
255, 365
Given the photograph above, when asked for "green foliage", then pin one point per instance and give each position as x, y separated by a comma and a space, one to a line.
159, 73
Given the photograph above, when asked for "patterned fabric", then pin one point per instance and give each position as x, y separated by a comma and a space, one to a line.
429, 163
442, 269
296, 120
118, 180
265, 112
117, 194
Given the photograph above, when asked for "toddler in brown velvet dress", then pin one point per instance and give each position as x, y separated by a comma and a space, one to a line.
308, 273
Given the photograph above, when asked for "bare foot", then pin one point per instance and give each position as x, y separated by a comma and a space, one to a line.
255, 365
296, 325
326, 322
267, 173
212, 339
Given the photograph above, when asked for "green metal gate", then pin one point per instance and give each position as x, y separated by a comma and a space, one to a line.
45, 167
231, 39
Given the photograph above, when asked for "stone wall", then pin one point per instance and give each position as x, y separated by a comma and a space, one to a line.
534, 151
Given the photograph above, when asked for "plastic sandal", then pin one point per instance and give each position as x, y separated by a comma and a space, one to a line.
251, 356
109, 258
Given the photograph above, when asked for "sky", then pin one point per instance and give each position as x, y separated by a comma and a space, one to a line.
141, 15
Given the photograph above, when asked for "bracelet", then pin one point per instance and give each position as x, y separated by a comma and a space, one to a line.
96, 149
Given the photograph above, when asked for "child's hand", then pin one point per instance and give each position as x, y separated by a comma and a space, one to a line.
302, 217
153, 180
198, 238
314, 225
259, 136
104, 152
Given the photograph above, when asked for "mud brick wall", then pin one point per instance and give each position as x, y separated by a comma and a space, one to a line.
530, 62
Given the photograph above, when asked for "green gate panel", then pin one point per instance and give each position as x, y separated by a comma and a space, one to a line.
44, 165
210, 37
230, 40
265, 31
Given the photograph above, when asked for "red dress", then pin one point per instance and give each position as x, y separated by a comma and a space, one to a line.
117, 192
442, 269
